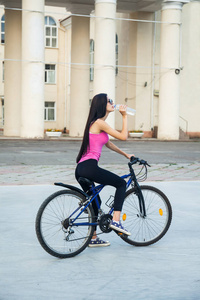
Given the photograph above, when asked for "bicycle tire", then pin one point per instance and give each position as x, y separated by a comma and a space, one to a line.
50, 231
148, 230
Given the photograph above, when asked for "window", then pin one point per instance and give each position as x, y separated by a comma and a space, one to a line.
50, 74
91, 60
49, 111
116, 54
50, 32
3, 29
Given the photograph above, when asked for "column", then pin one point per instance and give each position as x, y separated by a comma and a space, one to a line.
104, 59
168, 124
12, 66
80, 49
67, 24
32, 115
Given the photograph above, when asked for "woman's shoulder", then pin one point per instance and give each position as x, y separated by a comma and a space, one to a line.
101, 122
95, 127
98, 126
103, 126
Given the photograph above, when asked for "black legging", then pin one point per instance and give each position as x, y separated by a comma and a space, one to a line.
90, 170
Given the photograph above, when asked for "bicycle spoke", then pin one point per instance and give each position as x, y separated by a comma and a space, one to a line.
149, 229
53, 236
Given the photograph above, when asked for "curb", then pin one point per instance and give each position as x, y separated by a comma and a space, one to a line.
68, 138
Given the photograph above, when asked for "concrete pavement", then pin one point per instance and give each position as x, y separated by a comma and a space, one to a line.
169, 269
48, 174
43, 162
64, 152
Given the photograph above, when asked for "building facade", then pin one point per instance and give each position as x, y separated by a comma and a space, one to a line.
54, 62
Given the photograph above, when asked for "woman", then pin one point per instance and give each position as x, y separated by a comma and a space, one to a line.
95, 136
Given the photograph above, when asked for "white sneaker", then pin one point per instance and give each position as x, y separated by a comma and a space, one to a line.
118, 227
98, 243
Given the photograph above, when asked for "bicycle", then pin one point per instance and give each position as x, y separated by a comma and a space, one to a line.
65, 221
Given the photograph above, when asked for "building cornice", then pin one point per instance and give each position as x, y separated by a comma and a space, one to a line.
67, 23
176, 4
106, 1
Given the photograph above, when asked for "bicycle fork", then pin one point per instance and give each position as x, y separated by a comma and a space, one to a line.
138, 193
142, 207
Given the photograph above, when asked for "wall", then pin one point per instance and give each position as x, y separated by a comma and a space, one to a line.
190, 75
1, 73
135, 83
124, 81
134, 86
144, 72
57, 92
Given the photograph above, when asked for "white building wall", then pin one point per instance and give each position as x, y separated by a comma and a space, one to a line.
58, 92
156, 87
144, 72
1, 74
134, 82
134, 86
124, 78
190, 75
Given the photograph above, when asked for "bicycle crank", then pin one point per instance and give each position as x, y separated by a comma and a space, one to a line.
104, 223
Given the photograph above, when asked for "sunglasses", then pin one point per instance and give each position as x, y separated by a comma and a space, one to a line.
110, 101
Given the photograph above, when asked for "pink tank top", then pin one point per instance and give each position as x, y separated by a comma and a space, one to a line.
95, 147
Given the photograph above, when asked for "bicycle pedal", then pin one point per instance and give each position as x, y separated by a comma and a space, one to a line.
118, 233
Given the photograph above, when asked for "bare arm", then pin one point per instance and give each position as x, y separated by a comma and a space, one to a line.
123, 135
113, 147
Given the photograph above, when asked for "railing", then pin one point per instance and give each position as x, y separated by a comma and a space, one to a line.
186, 124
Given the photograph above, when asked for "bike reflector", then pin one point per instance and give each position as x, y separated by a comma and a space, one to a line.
124, 217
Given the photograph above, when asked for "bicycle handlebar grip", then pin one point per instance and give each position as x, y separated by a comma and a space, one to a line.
134, 160
143, 162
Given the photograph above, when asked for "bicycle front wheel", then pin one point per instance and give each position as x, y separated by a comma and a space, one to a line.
146, 230
53, 220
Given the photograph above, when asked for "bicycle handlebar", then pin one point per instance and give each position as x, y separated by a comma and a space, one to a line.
135, 160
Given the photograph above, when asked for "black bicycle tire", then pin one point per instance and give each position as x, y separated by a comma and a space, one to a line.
165, 229
38, 225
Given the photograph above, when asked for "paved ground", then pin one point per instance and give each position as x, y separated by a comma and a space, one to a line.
44, 162
64, 152
169, 269
48, 174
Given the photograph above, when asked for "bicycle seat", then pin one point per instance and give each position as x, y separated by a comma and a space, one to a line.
83, 180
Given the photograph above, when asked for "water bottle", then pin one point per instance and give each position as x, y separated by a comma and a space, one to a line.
129, 111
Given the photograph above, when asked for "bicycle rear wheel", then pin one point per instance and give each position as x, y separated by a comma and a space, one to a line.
148, 230
53, 228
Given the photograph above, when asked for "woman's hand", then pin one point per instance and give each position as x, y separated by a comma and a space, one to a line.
122, 110
129, 156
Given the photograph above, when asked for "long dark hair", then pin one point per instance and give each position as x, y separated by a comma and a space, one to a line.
97, 110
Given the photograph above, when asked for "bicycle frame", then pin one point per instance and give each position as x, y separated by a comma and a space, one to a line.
97, 189
60, 215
